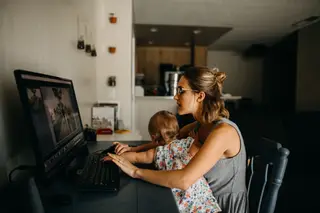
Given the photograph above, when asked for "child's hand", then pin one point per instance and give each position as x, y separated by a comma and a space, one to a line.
121, 148
193, 150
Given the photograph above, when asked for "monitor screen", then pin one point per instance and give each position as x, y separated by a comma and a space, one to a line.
51, 106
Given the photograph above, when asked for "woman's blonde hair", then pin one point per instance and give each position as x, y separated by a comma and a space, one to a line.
164, 126
210, 81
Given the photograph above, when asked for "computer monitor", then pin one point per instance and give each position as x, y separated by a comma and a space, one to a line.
53, 116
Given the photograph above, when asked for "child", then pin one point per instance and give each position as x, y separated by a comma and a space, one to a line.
173, 155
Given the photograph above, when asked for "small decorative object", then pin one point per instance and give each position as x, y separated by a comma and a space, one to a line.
88, 48
112, 18
80, 44
105, 115
112, 81
112, 50
93, 51
88, 45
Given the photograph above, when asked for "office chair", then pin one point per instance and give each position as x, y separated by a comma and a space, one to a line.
21, 195
266, 169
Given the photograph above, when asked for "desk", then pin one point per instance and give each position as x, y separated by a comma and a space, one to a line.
134, 196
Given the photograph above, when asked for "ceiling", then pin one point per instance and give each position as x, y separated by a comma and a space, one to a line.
170, 35
252, 21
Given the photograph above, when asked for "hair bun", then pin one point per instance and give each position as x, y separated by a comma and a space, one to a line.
220, 76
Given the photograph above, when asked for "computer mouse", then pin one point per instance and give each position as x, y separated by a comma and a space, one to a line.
111, 149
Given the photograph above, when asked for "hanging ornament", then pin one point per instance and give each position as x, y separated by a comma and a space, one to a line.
112, 18
112, 50
93, 51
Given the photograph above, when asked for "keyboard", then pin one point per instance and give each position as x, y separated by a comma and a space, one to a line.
99, 176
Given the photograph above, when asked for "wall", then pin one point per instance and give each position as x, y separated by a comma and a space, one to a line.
2, 143
145, 107
39, 35
279, 75
244, 75
308, 74
120, 63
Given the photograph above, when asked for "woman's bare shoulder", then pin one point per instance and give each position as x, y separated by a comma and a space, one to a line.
227, 134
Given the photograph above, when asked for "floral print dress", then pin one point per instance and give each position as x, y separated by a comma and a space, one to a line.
198, 197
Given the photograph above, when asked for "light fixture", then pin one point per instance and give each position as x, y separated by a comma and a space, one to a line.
153, 29
197, 31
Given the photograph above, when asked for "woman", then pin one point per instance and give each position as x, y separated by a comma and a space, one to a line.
221, 157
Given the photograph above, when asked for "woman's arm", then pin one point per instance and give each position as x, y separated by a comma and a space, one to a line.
184, 131
217, 144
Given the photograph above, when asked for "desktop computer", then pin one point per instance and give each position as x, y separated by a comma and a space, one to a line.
54, 121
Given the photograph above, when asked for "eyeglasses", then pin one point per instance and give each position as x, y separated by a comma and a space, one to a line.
181, 90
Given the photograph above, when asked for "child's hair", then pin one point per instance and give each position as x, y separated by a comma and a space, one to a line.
164, 126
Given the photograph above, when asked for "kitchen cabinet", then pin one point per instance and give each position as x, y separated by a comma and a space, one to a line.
149, 58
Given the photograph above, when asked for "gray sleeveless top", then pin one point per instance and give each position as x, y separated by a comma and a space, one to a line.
227, 179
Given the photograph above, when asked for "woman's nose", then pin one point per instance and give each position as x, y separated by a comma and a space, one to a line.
175, 97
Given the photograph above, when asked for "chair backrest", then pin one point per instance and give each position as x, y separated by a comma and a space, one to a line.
266, 169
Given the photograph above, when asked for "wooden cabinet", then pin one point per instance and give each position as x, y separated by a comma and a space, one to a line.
200, 58
149, 58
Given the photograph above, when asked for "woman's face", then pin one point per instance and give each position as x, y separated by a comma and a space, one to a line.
186, 98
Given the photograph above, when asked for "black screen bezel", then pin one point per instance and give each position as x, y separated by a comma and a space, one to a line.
21, 85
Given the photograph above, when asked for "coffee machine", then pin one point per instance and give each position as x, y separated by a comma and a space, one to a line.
171, 80
169, 77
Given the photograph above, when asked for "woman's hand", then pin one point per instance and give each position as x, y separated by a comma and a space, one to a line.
106, 158
121, 148
124, 165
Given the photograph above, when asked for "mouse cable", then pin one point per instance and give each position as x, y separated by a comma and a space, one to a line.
21, 168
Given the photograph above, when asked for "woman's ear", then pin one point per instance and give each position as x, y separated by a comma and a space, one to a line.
201, 96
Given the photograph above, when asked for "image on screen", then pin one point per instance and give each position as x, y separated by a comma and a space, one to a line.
60, 111
34, 99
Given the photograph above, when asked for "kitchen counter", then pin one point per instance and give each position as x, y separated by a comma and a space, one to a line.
146, 106
227, 98
155, 97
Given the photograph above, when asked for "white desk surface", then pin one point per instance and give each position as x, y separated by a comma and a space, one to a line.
131, 136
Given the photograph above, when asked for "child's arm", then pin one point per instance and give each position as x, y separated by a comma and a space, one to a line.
137, 157
140, 157
122, 148
144, 147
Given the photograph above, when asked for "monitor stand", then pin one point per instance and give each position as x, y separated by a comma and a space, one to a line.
55, 189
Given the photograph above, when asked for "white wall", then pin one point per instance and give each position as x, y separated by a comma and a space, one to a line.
39, 35
308, 73
244, 76
118, 64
